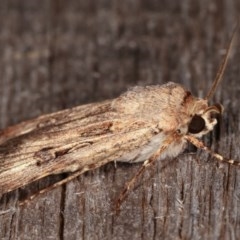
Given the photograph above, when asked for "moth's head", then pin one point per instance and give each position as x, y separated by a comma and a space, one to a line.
204, 120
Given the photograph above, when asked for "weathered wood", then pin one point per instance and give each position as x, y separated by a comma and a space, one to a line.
59, 54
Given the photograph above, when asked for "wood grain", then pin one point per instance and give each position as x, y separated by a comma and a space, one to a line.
57, 54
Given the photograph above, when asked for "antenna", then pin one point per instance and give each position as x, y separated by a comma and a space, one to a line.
223, 65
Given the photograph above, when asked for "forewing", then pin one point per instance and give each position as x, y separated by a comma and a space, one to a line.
69, 141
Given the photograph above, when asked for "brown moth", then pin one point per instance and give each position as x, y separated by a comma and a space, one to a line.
144, 124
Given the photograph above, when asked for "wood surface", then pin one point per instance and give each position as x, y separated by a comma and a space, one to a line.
59, 54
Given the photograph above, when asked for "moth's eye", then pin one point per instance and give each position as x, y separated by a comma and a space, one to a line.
196, 125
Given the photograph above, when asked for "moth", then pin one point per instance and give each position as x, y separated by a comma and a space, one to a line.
145, 124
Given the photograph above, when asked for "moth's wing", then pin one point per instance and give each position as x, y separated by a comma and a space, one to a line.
70, 115
84, 141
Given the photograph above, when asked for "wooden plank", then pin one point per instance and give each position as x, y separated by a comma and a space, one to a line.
59, 54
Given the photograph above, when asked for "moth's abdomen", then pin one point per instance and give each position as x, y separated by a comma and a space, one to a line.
145, 152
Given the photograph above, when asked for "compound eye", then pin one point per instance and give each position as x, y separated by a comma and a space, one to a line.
196, 125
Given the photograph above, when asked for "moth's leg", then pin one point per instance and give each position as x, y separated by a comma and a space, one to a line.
53, 186
129, 185
201, 145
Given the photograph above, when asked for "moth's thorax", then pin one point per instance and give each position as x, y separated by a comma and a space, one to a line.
170, 107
